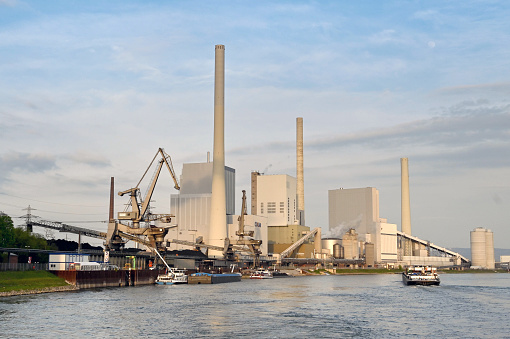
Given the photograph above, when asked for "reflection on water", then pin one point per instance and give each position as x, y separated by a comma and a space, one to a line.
375, 306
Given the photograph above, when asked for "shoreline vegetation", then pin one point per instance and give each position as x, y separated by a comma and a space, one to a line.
31, 282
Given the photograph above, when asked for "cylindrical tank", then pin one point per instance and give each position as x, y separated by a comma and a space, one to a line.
337, 251
478, 248
489, 249
329, 243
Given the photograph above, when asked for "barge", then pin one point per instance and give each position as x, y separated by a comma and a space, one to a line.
213, 278
420, 275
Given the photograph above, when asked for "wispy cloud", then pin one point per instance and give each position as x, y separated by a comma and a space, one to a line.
26, 162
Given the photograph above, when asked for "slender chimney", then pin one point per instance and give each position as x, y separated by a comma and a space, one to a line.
300, 172
218, 224
406, 205
111, 217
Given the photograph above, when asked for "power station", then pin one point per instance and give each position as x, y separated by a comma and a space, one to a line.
203, 215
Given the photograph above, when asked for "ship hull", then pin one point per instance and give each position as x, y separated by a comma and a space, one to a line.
423, 282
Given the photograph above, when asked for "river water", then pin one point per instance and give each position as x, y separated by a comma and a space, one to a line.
367, 306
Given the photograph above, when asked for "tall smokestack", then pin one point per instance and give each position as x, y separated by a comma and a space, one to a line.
406, 205
218, 224
111, 217
300, 171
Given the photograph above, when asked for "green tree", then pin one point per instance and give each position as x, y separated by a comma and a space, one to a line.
11, 236
7, 236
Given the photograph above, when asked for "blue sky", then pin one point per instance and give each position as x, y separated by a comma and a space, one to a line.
90, 90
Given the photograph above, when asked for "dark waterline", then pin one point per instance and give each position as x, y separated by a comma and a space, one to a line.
370, 306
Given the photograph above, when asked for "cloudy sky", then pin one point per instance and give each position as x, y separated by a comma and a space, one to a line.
91, 89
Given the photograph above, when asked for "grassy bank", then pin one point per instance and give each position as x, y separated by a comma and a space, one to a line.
28, 280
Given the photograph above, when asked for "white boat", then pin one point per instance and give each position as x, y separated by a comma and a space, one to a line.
180, 276
420, 275
165, 279
173, 276
261, 274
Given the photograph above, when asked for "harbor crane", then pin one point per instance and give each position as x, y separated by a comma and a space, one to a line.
137, 222
245, 239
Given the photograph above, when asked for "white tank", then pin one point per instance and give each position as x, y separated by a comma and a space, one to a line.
478, 247
489, 249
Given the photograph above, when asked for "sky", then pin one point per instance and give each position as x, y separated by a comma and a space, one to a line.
91, 89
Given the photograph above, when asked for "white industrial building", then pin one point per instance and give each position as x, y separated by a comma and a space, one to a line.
63, 261
192, 208
276, 199
358, 209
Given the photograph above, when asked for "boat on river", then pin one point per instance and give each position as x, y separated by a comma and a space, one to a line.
261, 274
213, 278
172, 277
420, 275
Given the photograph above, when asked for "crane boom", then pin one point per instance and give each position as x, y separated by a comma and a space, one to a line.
140, 212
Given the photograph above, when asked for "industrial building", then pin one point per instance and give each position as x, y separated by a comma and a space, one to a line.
275, 198
192, 205
354, 220
356, 212
192, 208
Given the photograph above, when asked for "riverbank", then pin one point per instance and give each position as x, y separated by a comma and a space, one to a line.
349, 271
366, 271
31, 282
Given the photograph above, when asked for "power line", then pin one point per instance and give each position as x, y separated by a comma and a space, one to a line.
54, 203
53, 211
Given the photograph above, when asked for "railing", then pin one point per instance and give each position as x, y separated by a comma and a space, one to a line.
23, 267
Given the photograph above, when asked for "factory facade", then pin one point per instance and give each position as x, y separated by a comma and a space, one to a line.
192, 207
274, 197
355, 212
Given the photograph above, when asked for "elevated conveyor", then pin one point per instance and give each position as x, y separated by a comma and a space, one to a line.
298, 243
61, 227
435, 247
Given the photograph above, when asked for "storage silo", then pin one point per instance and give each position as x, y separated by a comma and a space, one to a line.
350, 244
338, 251
489, 250
478, 247
369, 254
329, 244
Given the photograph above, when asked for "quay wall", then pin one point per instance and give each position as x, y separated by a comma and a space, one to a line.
92, 279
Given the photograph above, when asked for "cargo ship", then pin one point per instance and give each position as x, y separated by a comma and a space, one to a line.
420, 275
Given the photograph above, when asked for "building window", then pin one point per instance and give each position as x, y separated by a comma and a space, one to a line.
261, 208
288, 210
282, 207
271, 207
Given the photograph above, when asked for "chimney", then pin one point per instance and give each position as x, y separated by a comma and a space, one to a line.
218, 224
111, 216
406, 205
300, 172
